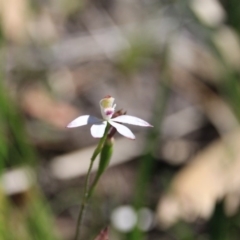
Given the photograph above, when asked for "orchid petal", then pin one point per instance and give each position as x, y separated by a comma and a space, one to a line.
83, 120
97, 130
126, 132
131, 120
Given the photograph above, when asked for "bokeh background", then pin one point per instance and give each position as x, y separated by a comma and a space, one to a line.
173, 63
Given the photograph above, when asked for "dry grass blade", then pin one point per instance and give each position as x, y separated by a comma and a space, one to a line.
48, 109
14, 17
212, 175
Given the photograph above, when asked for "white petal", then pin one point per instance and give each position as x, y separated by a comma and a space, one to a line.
97, 130
126, 132
131, 120
83, 120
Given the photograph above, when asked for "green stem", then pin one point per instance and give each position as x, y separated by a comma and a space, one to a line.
84, 202
86, 194
92, 187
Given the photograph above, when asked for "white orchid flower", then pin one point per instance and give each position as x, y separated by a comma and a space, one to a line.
107, 110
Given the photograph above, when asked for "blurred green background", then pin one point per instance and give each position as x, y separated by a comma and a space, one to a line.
173, 63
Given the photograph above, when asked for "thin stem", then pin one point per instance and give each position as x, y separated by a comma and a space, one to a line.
86, 194
92, 187
84, 202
